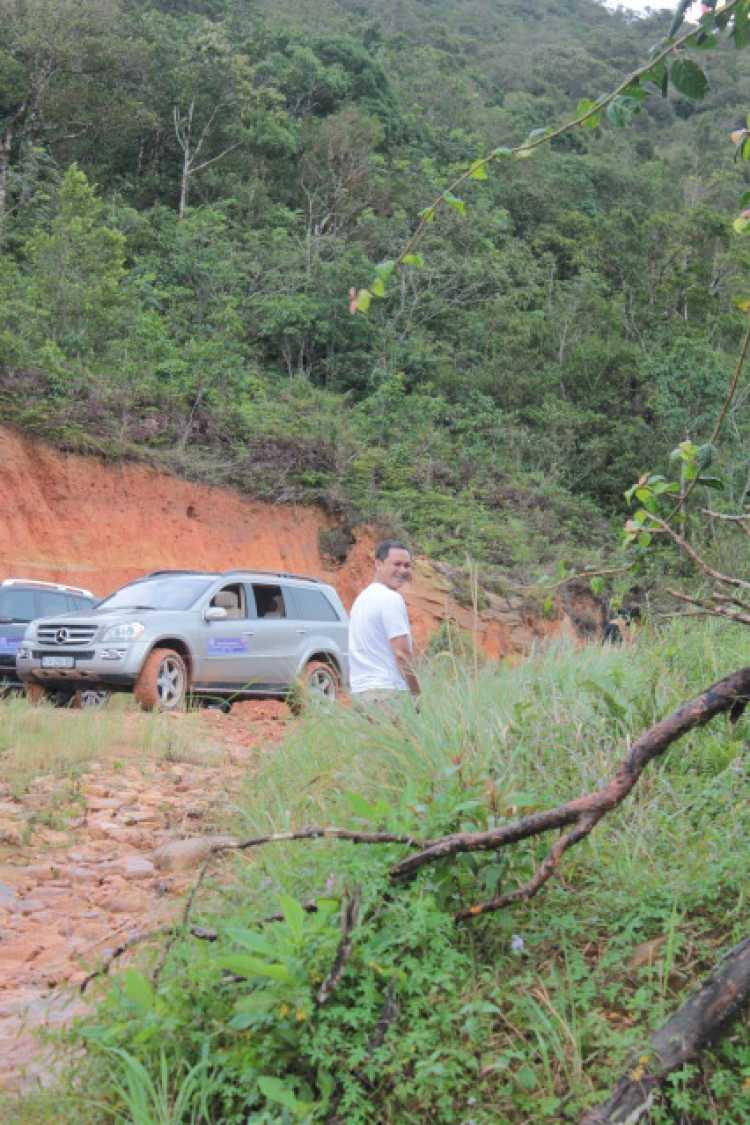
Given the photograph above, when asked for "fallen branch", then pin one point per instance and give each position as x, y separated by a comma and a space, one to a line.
731, 695
349, 918
199, 932
312, 832
719, 1000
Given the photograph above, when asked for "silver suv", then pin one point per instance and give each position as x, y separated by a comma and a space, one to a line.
178, 636
22, 600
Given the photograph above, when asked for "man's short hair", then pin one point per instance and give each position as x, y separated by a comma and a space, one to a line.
385, 547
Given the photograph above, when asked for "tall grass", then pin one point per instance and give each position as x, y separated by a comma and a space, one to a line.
527, 1014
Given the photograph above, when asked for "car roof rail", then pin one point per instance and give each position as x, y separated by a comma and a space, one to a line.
161, 573
61, 586
275, 574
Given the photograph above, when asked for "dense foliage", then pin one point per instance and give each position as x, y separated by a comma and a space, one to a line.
528, 1014
188, 190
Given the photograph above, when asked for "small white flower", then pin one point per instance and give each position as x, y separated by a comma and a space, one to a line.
517, 942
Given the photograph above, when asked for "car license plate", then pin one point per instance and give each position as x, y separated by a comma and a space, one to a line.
58, 662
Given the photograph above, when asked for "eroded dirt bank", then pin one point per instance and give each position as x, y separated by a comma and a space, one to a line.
68, 518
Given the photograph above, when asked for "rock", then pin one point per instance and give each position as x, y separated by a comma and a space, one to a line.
132, 867
8, 898
183, 855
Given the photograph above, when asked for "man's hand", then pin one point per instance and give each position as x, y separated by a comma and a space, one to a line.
405, 660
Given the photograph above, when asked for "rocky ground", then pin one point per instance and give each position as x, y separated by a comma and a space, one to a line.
87, 863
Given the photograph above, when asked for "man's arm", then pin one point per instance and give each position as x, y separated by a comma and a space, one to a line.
403, 654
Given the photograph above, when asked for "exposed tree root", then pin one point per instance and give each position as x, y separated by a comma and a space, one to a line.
721, 998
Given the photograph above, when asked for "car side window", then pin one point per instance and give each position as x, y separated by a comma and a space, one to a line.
232, 599
269, 601
313, 605
18, 604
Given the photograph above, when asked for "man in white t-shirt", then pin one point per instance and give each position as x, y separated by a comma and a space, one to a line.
380, 654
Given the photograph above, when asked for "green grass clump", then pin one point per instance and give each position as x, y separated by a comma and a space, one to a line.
526, 1015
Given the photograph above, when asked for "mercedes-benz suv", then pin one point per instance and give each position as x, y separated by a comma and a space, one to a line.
180, 636
22, 600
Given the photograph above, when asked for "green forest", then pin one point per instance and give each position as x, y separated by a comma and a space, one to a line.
188, 192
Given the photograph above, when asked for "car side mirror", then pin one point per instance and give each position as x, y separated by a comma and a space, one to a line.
5, 620
215, 613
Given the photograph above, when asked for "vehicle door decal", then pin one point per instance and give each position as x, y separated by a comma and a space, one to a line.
9, 645
228, 646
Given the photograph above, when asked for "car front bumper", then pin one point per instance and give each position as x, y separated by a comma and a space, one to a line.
106, 665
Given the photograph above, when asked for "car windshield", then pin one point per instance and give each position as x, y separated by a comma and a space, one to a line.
158, 593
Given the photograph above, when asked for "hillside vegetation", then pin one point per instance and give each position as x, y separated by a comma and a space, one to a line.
189, 190
526, 1015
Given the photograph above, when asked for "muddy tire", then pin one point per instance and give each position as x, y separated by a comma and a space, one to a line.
318, 682
162, 683
35, 693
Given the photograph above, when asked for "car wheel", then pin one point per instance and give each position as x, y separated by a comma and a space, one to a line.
162, 682
35, 693
94, 697
318, 682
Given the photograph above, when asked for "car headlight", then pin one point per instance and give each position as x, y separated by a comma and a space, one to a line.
125, 632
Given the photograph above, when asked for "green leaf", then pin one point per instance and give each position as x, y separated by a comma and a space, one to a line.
377, 288
413, 260
688, 78
138, 989
633, 91
294, 916
596, 585
526, 1077
385, 269
712, 482
453, 201
745, 201
364, 297
621, 109
524, 153
502, 152
478, 170
255, 942
644, 539
745, 150
657, 74
705, 455
536, 134
679, 16
251, 967
741, 225
276, 1091
360, 807
584, 106
428, 213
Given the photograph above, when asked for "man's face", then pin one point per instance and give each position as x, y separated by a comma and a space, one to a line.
395, 569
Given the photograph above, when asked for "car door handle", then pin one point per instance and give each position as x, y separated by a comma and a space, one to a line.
300, 632
248, 633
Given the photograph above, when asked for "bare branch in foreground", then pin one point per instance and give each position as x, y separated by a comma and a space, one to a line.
137, 939
730, 695
349, 918
312, 832
720, 999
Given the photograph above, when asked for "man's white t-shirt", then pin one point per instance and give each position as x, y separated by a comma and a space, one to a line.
378, 615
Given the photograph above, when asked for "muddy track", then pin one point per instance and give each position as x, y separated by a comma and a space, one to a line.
84, 866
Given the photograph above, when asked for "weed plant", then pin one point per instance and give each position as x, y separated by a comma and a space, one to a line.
524, 1016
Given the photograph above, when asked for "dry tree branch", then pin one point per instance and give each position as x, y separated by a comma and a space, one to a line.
720, 999
725, 579
738, 521
312, 832
349, 918
731, 695
199, 932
